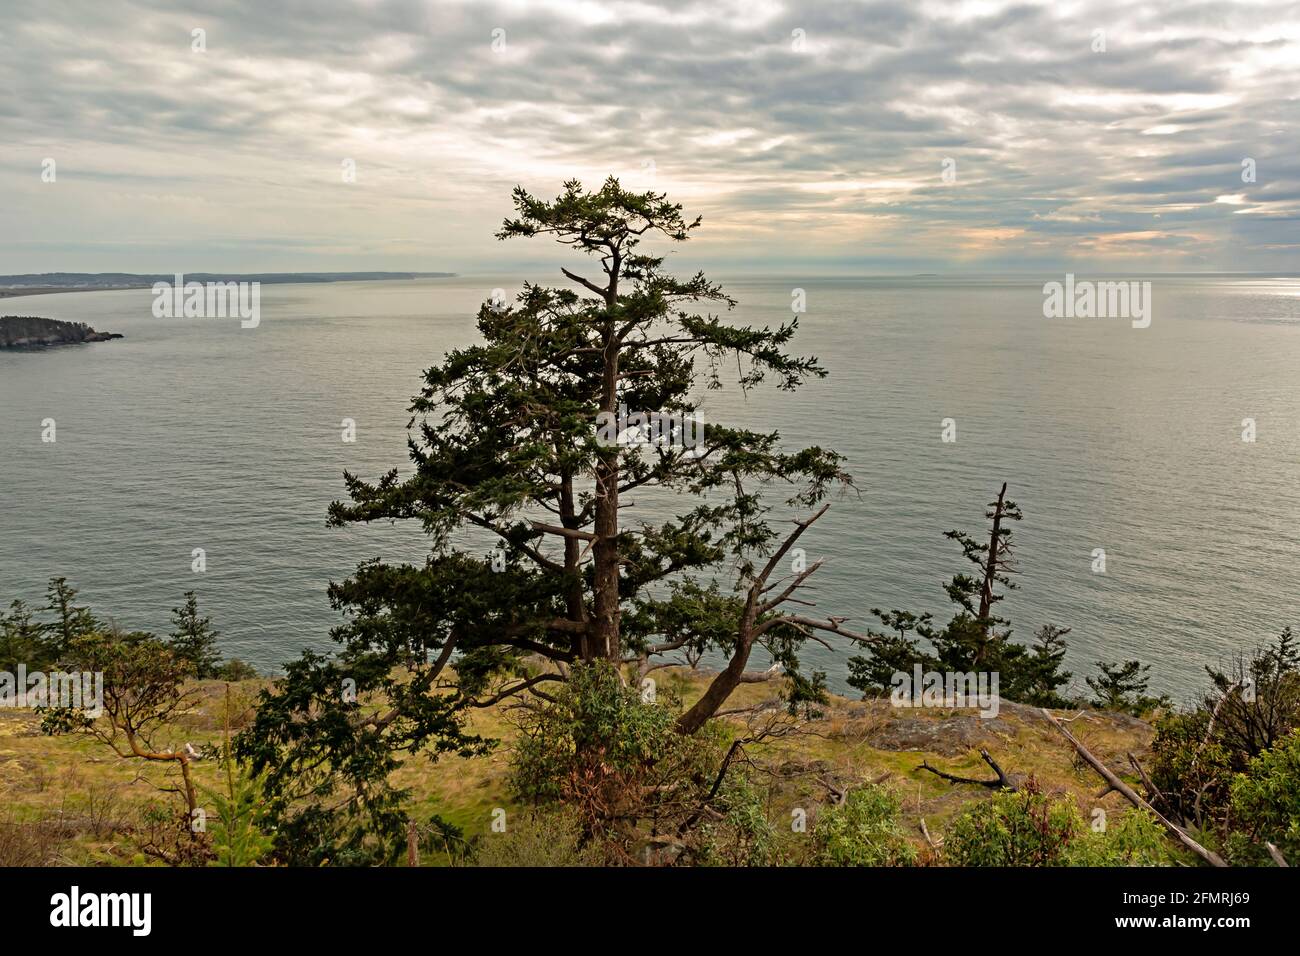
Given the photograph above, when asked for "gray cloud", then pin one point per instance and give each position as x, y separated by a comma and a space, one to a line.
230, 159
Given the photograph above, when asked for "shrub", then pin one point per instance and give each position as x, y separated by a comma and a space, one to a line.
1021, 828
1192, 774
599, 747
862, 831
1131, 838
595, 725
235, 670
1254, 705
744, 836
541, 838
25, 843
1265, 806
1123, 687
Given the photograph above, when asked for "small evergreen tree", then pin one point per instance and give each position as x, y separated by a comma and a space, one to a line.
1257, 697
1043, 673
72, 621
1123, 687
193, 638
974, 639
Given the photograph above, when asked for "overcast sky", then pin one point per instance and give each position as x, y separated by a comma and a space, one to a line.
812, 137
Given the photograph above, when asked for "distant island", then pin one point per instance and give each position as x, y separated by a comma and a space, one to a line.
50, 282
29, 332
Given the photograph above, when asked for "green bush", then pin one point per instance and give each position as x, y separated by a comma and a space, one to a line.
598, 747
542, 838
862, 831
1266, 806
1131, 838
596, 728
1022, 828
1031, 828
1192, 774
744, 836
235, 670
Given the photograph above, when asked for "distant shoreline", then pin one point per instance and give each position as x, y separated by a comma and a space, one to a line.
19, 293
85, 281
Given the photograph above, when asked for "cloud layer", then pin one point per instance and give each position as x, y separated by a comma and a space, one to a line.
1091, 135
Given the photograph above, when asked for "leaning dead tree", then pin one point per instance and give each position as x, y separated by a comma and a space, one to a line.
759, 616
999, 553
1131, 795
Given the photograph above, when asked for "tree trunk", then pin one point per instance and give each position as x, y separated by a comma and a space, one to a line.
575, 599
604, 640
991, 569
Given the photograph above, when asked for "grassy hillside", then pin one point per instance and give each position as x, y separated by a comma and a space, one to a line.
72, 800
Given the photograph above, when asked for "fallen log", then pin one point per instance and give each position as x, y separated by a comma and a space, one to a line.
1129, 794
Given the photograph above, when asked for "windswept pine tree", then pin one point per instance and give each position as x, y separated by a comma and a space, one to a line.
975, 639
540, 559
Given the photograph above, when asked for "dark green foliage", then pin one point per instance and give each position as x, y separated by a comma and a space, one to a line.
24, 640
536, 562
594, 721
71, 620
1190, 768
326, 756
41, 645
193, 638
30, 331
1042, 673
892, 652
1123, 687
615, 758
1260, 696
235, 670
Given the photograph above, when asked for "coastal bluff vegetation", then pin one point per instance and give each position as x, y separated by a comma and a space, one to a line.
574, 674
30, 331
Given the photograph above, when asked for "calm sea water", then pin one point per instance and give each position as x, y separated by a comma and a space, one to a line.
194, 433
